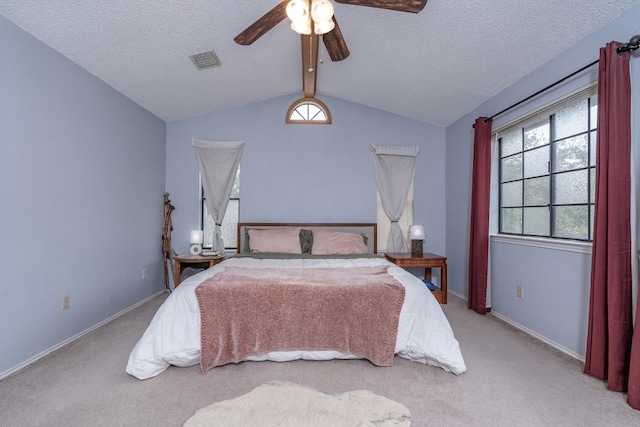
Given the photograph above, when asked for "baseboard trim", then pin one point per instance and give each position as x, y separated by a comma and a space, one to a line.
75, 337
540, 337
530, 332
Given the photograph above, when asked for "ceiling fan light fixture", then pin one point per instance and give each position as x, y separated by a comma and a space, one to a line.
323, 27
298, 10
300, 14
321, 10
301, 27
322, 14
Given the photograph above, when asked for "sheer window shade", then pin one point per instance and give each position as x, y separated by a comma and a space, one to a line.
218, 162
384, 226
394, 167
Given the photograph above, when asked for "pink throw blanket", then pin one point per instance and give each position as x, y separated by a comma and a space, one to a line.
247, 312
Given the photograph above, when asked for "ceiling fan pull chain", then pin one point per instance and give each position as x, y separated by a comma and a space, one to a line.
310, 54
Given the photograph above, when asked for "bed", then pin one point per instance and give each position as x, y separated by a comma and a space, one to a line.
322, 273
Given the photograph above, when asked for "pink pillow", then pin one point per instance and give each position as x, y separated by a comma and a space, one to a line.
327, 242
282, 240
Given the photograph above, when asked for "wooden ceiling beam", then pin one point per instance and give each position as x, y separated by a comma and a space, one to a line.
309, 63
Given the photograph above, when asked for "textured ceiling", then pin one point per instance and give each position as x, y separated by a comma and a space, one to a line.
435, 66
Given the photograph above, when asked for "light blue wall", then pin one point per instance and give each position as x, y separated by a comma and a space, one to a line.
83, 169
556, 283
307, 173
81, 199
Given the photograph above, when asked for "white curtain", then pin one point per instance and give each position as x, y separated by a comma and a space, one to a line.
218, 162
394, 167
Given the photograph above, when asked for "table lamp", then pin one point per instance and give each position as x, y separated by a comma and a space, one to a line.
417, 234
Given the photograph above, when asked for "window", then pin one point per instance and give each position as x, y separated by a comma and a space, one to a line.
230, 221
309, 111
547, 170
384, 224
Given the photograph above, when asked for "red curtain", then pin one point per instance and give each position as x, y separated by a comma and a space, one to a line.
479, 228
609, 339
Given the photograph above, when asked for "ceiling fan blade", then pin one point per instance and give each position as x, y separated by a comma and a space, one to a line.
335, 44
413, 6
263, 25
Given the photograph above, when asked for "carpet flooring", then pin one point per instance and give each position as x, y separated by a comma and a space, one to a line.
512, 380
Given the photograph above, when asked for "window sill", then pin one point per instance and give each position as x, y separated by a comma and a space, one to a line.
539, 242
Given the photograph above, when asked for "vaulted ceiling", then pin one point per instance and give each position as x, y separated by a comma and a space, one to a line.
434, 66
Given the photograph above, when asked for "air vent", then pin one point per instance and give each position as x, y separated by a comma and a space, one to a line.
205, 60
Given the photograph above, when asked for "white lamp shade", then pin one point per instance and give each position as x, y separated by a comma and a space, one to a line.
301, 27
417, 232
298, 10
323, 27
321, 10
196, 237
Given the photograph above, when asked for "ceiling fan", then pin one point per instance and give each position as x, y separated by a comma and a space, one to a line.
333, 39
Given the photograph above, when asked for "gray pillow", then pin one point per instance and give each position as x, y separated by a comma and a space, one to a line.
306, 240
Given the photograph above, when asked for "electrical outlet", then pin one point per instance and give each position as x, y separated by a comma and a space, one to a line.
520, 291
144, 273
65, 302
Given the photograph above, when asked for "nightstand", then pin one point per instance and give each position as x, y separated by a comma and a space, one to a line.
426, 261
182, 261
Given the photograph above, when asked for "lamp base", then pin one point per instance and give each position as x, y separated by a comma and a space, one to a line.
416, 247
195, 249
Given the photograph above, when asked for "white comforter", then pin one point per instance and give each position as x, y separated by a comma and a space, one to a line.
173, 336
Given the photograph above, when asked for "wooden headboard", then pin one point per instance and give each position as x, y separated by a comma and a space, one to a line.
370, 230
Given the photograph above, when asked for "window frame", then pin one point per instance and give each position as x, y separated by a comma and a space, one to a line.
521, 124
306, 121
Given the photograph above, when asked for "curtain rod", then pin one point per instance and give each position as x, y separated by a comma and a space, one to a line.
633, 44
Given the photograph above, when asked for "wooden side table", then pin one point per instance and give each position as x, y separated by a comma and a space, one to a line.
182, 261
426, 261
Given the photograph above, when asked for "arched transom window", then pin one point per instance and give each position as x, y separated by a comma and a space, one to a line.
308, 111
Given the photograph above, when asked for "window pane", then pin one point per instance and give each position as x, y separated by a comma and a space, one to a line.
572, 222
235, 190
536, 221
592, 214
593, 112
229, 226
536, 162
592, 153
536, 191
207, 227
308, 111
572, 153
571, 120
571, 187
512, 168
592, 183
511, 142
511, 220
511, 194
536, 135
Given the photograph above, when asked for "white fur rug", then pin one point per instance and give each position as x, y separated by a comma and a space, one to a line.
292, 405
